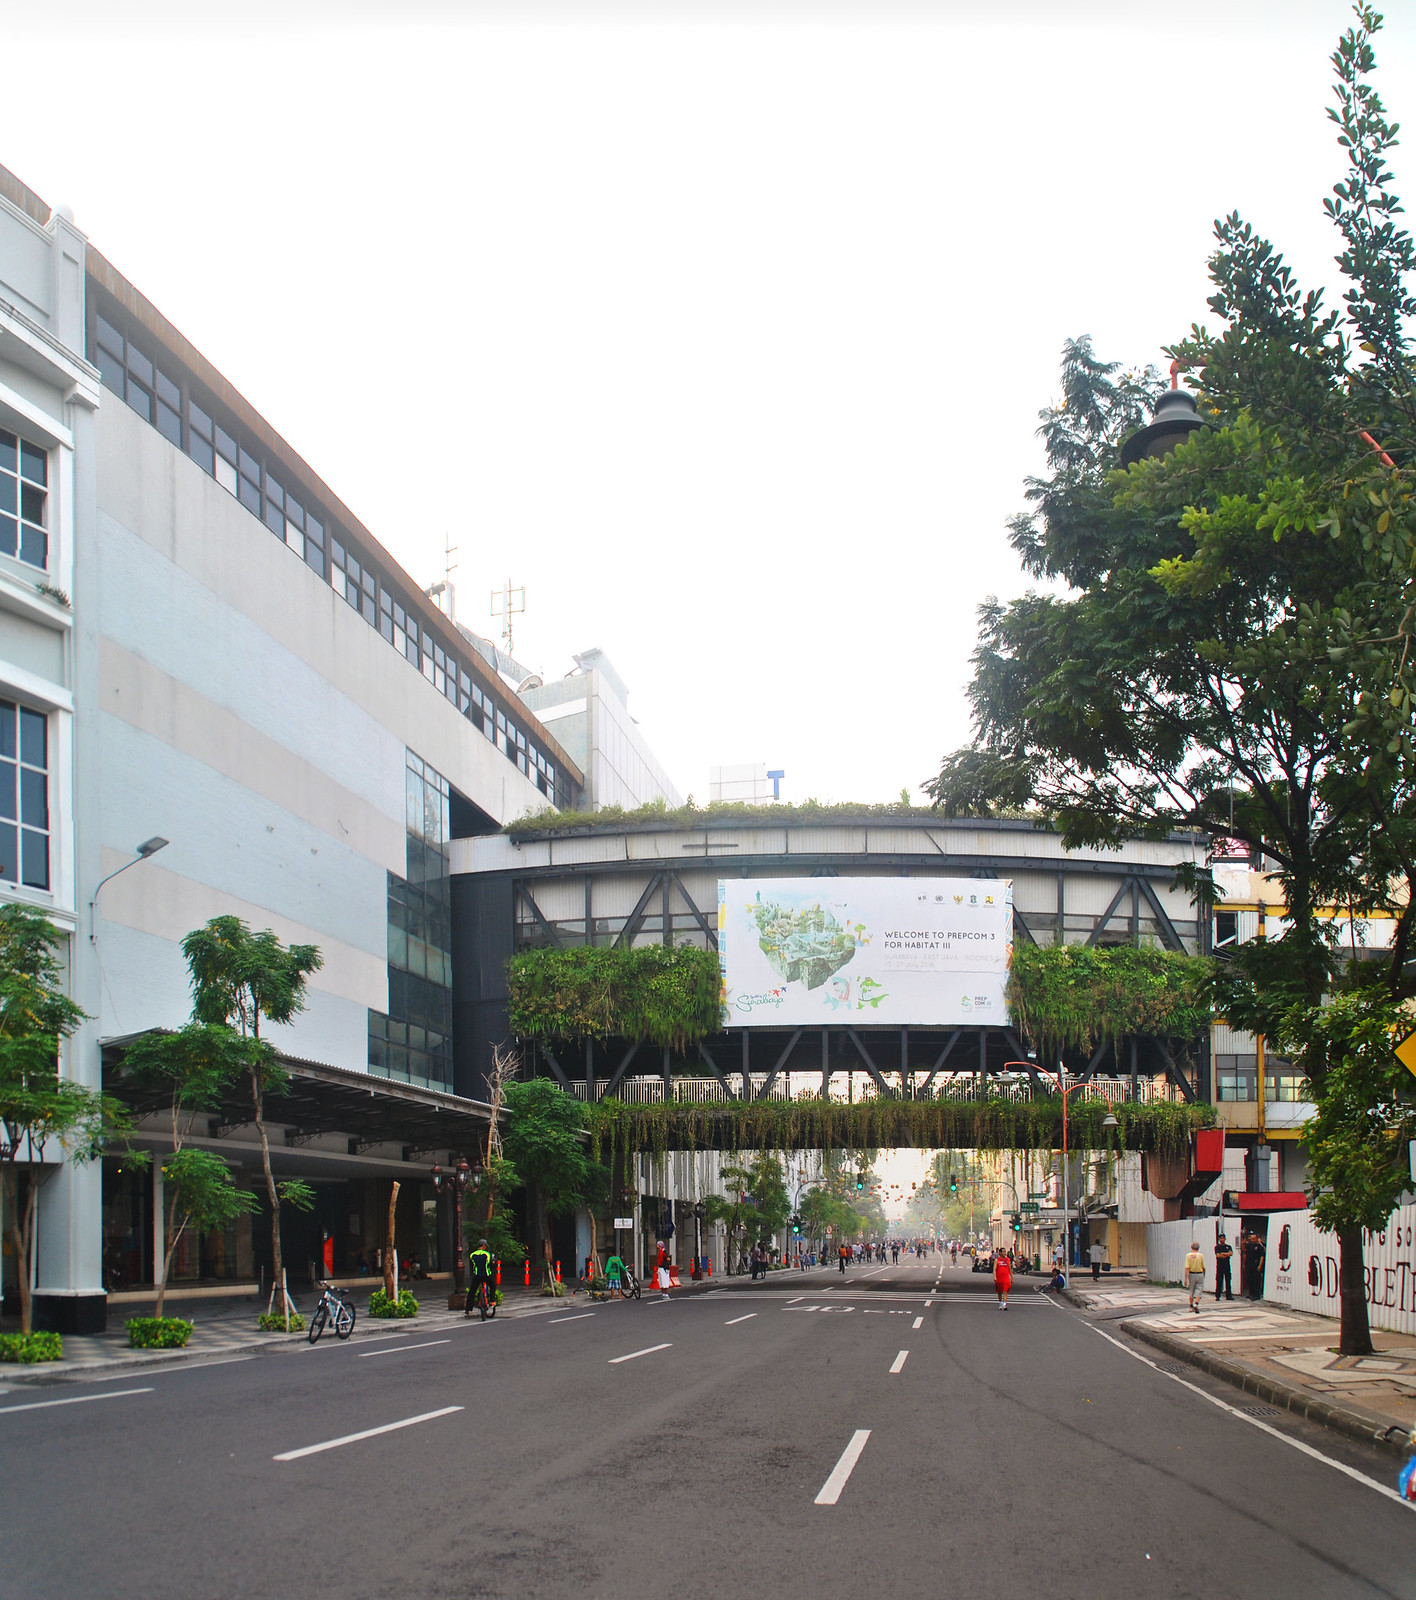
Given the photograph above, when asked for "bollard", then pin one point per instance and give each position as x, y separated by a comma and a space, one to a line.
710, 1266
558, 1272
528, 1272
498, 1274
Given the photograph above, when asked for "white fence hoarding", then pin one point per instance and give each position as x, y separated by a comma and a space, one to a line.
850, 952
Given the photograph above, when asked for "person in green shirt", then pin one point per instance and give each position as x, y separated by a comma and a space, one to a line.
614, 1272
479, 1271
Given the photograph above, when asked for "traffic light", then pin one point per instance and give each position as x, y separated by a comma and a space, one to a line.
1017, 1223
953, 1184
796, 1224
860, 1182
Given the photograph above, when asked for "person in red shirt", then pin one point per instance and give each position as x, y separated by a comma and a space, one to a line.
1002, 1277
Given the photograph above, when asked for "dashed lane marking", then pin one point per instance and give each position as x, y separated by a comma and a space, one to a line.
898, 1364
366, 1433
635, 1354
399, 1350
732, 1320
580, 1316
830, 1491
918, 1322
72, 1400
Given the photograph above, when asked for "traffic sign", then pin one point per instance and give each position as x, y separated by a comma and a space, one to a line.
624, 1222
1406, 1053
1028, 1205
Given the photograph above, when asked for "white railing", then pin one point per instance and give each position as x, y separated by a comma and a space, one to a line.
807, 1086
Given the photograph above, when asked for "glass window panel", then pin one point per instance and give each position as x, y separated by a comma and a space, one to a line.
109, 338
35, 865
34, 738
336, 553
294, 511
9, 792
386, 603
371, 616
34, 545
169, 424
314, 556
226, 445
201, 452
249, 495
274, 493
199, 420
226, 475
140, 367
314, 529
9, 494
294, 538
9, 852
32, 503
8, 446
140, 400
34, 798
110, 370
397, 946
9, 748
249, 466
399, 615
369, 588
168, 392
351, 566
275, 520
34, 462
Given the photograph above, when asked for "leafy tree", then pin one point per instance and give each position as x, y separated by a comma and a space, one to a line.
192, 1068
1230, 646
241, 980
545, 1142
38, 1107
754, 1207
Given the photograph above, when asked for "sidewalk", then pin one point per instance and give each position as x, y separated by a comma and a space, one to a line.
1286, 1358
223, 1329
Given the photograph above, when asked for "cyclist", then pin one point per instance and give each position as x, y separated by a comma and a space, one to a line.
479, 1272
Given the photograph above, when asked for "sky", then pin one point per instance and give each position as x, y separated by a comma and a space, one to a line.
721, 327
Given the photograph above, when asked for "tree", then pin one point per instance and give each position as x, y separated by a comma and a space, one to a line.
38, 1107
241, 980
192, 1068
755, 1204
1232, 650
545, 1143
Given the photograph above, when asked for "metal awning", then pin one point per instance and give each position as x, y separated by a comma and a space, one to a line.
322, 1099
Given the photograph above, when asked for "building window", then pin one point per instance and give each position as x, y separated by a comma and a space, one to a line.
24, 500
24, 796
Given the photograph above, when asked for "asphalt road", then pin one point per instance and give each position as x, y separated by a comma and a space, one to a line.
707, 1446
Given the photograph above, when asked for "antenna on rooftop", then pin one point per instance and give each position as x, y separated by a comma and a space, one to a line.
444, 588
506, 604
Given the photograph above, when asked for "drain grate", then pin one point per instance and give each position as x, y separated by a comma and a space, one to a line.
1259, 1411
1174, 1366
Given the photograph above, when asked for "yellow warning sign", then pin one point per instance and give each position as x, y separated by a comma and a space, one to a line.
1406, 1053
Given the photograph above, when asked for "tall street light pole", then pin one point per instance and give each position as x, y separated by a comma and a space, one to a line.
149, 847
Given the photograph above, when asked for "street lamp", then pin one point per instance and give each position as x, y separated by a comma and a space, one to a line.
149, 847
456, 1180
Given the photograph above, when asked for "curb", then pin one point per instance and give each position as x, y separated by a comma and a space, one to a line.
1361, 1425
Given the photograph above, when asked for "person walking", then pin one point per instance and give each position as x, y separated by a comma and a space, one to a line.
1094, 1255
1223, 1268
842, 1252
1002, 1278
1195, 1275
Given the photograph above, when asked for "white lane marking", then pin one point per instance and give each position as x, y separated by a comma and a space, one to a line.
747, 1318
399, 1350
899, 1362
634, 1354
927, 1304
367, 1433
580, 1316
831, 1489
795, 1298
1263, 1427
198, 1366
73, 1400
918, 1322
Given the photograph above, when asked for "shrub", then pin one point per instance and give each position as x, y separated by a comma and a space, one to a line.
158, 1333
31, 1347
381, 1306
273, 1322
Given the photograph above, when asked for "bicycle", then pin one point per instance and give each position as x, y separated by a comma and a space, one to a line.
485, 1301
629, 1285
334, 1307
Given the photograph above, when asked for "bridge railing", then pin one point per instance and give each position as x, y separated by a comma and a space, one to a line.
804, 1085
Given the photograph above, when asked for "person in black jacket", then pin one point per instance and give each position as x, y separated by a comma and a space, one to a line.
1223, 1268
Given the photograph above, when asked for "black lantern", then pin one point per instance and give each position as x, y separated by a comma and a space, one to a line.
1174, 419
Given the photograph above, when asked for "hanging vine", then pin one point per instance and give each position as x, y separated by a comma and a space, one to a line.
1071, 995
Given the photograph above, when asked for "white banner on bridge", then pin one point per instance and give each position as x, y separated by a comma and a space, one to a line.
846, 952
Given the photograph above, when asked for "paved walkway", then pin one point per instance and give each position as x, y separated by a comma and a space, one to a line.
1285, 1357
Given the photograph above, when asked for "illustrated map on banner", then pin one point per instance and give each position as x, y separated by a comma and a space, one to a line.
898, 952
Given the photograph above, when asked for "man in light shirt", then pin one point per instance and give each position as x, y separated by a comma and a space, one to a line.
1195, 1275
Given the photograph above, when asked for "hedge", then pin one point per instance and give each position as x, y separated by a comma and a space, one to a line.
381, 1306
274, 1322
158, 1333
31, 1347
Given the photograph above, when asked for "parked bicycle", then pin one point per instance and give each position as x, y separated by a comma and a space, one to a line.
334, 1310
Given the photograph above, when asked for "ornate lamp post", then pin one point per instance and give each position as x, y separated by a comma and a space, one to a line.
456, 1180
1175, 418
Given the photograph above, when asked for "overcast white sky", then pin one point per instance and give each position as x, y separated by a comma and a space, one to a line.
721, 327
